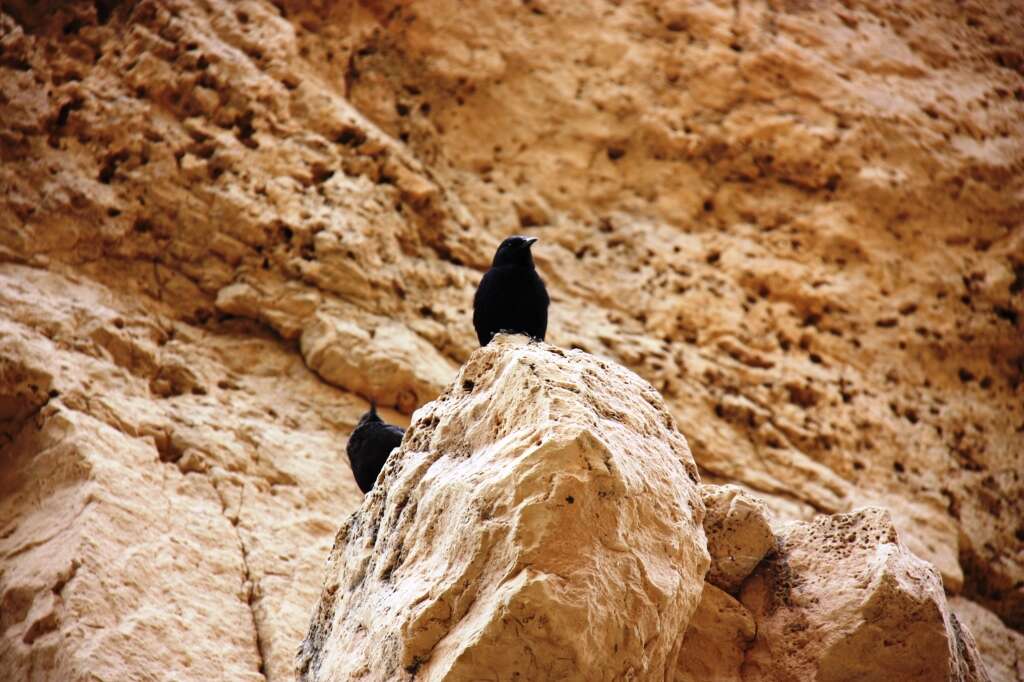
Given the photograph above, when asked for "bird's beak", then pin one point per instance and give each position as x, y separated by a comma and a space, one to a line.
530, 241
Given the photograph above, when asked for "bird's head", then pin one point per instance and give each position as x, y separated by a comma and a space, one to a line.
514, 251
370, 415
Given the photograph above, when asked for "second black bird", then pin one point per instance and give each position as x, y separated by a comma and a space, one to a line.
511, 296
369, 446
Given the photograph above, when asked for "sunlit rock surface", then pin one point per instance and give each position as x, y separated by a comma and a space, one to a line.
542, 520
841, 598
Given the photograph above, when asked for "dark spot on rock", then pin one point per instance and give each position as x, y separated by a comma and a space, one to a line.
104, 8
1007, 313
351, 137
908, 309
322, 175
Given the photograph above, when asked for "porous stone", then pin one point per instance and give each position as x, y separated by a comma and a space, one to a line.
841, 598
798, 221
739, 534
541, 521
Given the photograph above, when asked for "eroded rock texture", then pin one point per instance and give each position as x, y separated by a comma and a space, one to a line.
223, 224
841, 598
739, 534
541, 521
717, 639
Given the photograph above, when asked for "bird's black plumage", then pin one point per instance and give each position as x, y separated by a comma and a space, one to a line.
511, 296
369, 446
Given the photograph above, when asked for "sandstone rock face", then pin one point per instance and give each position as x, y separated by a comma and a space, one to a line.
841, 598
541, 521
800, 222
739, 534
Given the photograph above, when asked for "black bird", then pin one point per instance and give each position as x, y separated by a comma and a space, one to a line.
369, 447
511, 296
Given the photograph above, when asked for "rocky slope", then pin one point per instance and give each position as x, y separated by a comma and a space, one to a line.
225, 224
543, 519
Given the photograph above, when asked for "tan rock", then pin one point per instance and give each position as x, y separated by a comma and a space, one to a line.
928, 532
1001, 648
542, 520
94, 581
284, 306
388, 362
717, 638
130, 509
738, 531
797, 220
841, 598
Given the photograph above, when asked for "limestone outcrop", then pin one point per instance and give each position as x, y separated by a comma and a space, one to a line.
841, 598
1001, 648
224, 225
541, 521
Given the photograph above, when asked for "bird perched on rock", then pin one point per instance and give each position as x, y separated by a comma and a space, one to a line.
369, 447
511, 296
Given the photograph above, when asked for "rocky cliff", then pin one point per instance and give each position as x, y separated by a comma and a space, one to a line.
224, 225
543, 520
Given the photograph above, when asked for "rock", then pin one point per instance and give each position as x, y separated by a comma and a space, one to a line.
286, 307
717, 638
541, 521
798, 221
842, 598
127, 514
927, 531
389, 363
738, 531
89, 590
1001, 648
